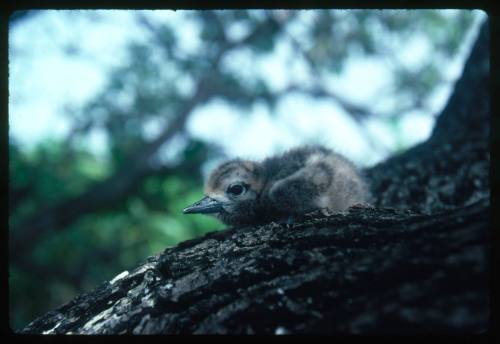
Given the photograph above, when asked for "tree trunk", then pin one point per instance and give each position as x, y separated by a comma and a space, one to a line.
416, 263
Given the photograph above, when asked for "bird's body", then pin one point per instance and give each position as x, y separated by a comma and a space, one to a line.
242, 192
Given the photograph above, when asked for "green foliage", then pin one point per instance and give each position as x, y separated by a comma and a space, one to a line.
49, 174
98, 245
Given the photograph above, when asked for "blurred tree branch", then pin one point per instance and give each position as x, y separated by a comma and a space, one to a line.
358, 113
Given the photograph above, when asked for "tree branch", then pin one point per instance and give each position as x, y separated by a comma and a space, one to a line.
432, 176
368, 271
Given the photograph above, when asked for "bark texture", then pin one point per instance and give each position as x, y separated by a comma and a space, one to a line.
417, 262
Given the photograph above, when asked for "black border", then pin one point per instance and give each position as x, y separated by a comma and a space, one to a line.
9, 6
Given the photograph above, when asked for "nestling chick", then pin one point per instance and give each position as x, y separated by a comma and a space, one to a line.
241, 192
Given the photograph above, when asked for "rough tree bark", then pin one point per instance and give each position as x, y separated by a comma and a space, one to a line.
415, 263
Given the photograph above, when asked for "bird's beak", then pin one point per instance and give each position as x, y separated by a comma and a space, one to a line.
206, 205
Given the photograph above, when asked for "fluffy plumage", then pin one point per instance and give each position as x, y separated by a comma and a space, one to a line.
243, 192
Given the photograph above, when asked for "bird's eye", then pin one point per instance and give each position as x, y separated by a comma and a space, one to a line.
236, 189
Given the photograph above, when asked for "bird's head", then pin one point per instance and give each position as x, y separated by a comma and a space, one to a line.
231, 193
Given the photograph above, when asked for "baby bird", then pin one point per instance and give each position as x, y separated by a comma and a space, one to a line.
242, 192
